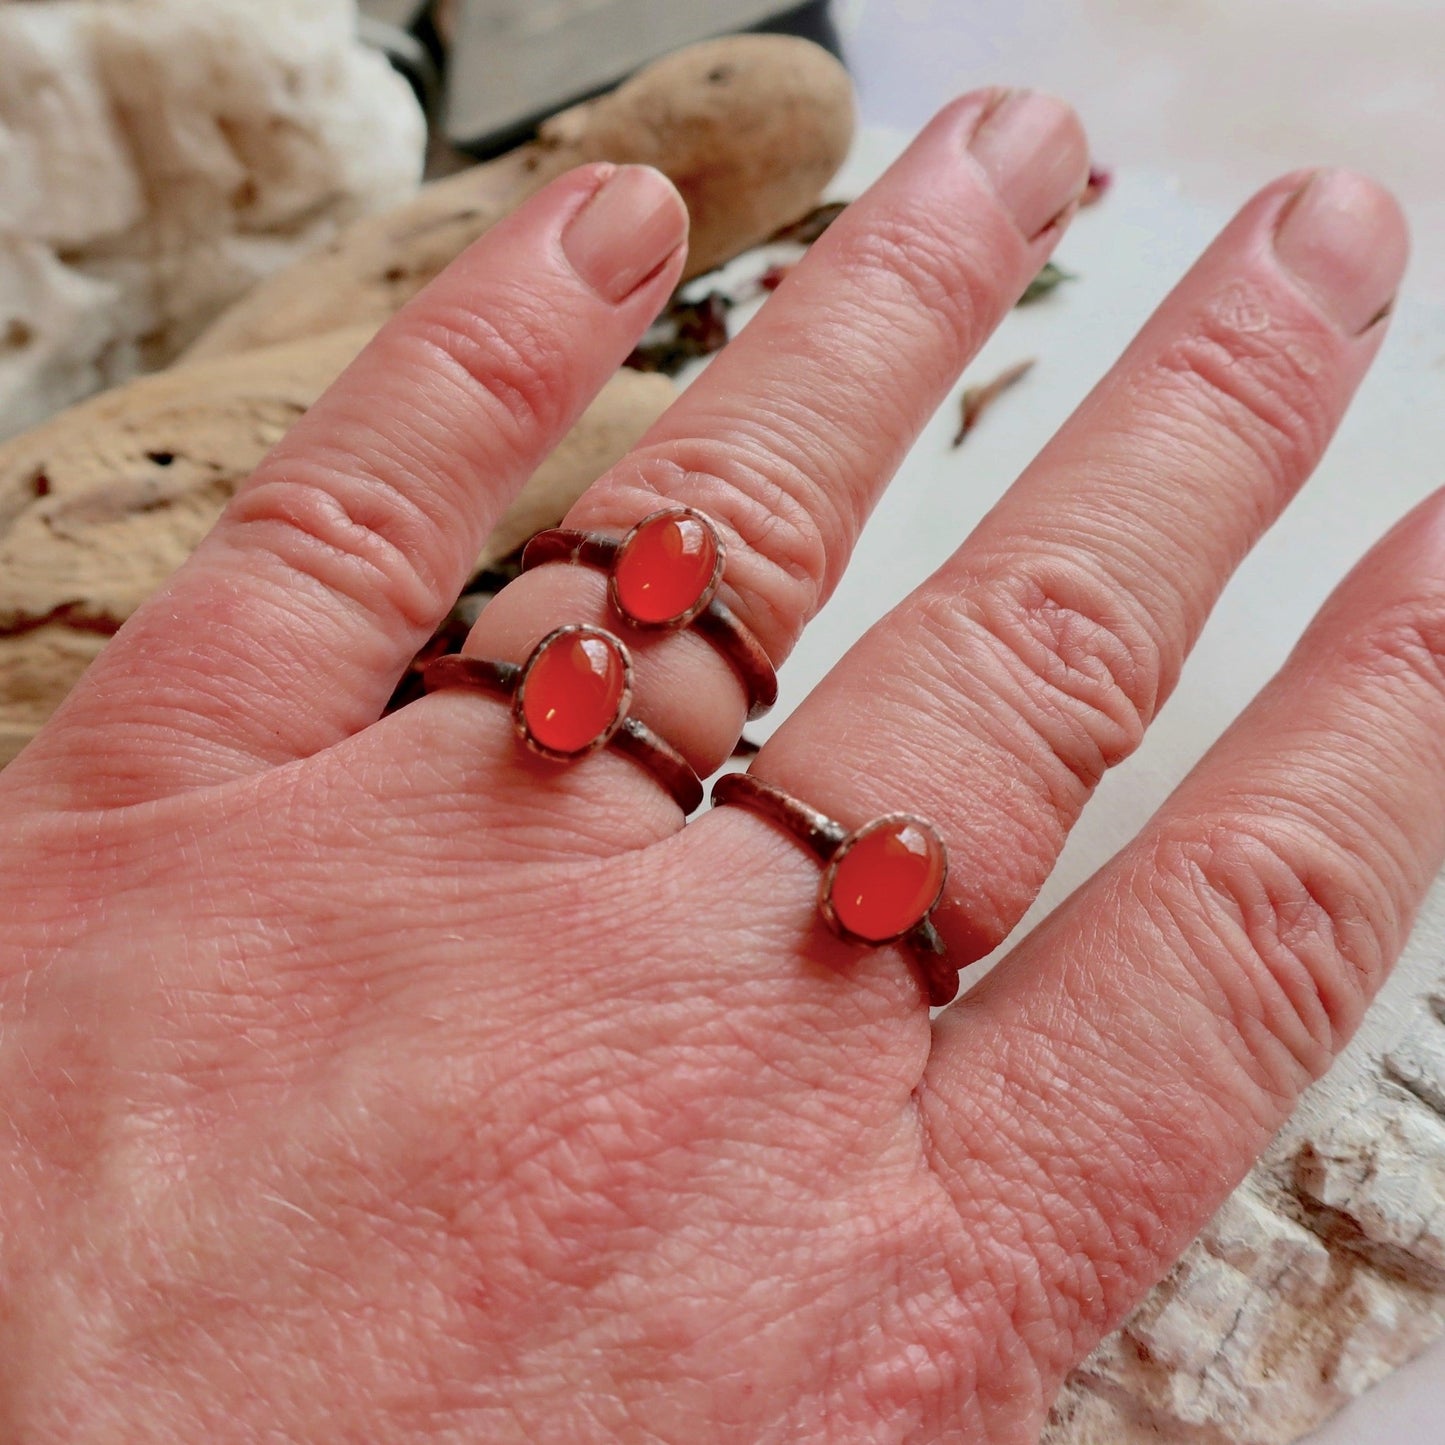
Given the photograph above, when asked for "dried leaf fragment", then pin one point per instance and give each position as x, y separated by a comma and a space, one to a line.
806, 229
1049, 277
978, 399
774, 277
684, 332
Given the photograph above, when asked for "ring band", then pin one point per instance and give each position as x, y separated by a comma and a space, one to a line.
880, 882
662, 576
570, 698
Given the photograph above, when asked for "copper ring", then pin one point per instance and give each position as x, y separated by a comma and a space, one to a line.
708, 613
831, 843
508, 681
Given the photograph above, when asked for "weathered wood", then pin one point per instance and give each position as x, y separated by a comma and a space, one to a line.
750, 129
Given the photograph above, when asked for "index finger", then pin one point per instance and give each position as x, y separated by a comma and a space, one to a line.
289, 626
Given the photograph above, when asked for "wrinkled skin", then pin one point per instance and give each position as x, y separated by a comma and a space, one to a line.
373, 1080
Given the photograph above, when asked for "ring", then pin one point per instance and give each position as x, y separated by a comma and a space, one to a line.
880, 883
662, 576
570, 698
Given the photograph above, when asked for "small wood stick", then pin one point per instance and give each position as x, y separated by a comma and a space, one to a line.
978, 399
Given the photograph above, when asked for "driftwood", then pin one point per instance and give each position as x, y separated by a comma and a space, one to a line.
749, 128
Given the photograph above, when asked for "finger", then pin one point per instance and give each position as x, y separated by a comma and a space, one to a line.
290, 625
789, 438
1141, 1047
993, 700
490, 799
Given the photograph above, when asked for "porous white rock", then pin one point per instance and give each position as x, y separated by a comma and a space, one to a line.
158, 157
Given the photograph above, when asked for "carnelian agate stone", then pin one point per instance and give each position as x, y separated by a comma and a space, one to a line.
572, 695
666, 568
885, 879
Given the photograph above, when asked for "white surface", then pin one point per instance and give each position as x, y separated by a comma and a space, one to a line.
1128, 252
1221, 94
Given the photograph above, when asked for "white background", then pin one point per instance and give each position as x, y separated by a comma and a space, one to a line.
1223, 94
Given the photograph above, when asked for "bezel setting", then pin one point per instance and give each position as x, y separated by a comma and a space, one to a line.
887, 821
709, 590
619, 714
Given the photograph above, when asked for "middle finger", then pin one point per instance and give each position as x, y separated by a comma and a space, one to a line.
789, 439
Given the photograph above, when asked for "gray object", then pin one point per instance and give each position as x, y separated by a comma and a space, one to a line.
406, 53
513, 61
402, 14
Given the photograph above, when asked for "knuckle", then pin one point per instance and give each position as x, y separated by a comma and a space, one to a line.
366, 543
510, 372
912, 268
1286, 932
1405, 644
781, 475
774, 506
1244, 377
1074, 657
362, 531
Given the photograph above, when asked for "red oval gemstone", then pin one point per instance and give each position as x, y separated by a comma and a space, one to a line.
887, 880
665, 568
573, 690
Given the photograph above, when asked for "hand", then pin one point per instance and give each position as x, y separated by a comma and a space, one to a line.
375, 1080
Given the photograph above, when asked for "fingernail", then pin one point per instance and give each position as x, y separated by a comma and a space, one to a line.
1032, 148
625, 231
1342, 238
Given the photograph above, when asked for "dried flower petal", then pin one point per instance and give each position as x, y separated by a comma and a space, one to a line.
684, 332
1100, 179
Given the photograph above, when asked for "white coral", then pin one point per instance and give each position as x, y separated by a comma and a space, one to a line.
157, 157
